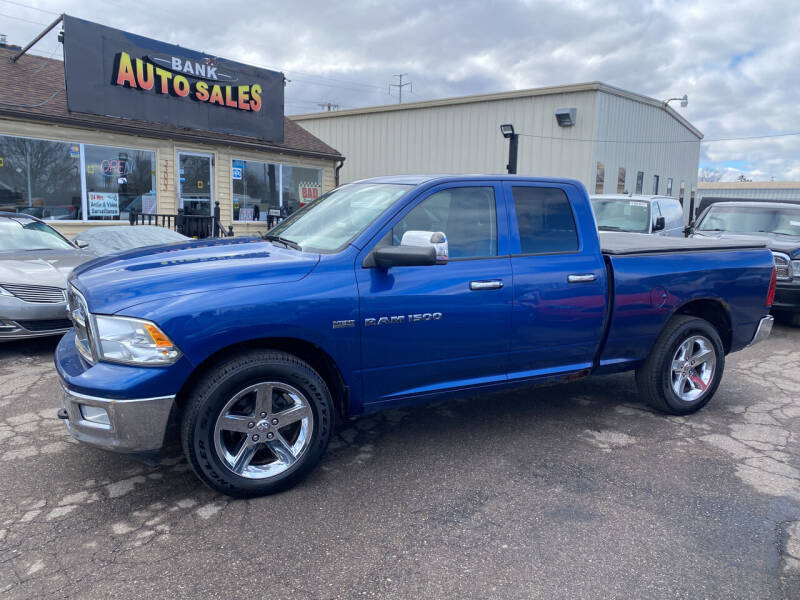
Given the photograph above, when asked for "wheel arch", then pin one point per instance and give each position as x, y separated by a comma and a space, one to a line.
315, 356
715, 312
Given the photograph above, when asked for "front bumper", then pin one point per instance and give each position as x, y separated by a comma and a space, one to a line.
787, 297
22, 320
131, 426
763, 330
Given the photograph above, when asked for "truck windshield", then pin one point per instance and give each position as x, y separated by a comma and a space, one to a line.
616, 214
752, 219
335, 219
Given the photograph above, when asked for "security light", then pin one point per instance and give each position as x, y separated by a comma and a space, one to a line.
507, 130
684, 101
565, 117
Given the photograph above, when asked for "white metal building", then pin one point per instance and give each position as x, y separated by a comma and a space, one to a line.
619, 141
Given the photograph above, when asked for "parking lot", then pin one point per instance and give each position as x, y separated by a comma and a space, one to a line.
574, 491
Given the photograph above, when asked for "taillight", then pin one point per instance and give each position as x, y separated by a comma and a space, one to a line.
771, 292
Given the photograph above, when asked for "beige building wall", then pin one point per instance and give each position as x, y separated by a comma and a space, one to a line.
166, 168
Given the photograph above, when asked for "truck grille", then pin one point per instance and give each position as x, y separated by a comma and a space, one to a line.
36, 293
783, 266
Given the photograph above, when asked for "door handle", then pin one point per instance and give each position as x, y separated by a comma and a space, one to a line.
492, 284
581, 278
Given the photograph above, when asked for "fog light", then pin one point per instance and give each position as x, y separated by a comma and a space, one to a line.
95, 414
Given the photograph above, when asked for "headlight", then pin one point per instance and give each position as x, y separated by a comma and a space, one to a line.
796, 268
133, 341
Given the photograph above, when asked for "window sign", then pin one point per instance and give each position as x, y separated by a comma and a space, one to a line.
309, 191
127, 173
236, 173
301, 185
103, 204
246, 214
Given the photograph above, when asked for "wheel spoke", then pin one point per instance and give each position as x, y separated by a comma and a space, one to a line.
282, 449
263, 399
702, 356
291, 415
243, 456
677, 365
236, 423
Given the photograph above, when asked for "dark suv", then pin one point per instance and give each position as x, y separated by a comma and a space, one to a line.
777, 224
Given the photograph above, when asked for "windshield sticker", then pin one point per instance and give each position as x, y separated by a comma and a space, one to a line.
637, 203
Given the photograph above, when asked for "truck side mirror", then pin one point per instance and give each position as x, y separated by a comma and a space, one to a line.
436, 239
81, 243
387, 257
660, 223
689, 229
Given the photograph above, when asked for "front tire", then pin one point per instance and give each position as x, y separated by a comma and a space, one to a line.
257, 423
684, 368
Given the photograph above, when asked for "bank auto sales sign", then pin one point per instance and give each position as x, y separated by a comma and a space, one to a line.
115, 73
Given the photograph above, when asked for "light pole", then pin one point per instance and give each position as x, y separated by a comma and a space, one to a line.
513, 139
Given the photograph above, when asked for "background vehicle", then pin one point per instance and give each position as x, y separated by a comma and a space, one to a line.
659, 215
118, 238
35, 261
778, 226
389, 292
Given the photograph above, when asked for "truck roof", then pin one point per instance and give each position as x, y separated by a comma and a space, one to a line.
640, 197
419, 179
757, 204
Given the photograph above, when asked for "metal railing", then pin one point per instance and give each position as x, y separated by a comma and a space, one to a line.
196, 226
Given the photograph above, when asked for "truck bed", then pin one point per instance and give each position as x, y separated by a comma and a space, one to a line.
621, 244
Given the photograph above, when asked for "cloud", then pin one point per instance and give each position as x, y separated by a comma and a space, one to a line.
737, 61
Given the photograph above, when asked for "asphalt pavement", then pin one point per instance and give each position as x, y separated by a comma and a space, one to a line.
570, 491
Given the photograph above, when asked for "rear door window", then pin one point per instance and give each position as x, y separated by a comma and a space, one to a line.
545, 221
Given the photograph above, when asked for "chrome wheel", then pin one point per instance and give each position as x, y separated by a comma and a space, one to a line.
693, 367
263, 430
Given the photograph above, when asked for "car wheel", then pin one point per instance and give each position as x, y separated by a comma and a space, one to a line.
257, 423
684, 368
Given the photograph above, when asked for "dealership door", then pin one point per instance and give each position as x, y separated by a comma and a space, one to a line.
195, 177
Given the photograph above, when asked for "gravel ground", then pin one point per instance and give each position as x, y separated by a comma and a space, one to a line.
571, 491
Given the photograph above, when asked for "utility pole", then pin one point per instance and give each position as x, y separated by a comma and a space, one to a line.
400, 86
328, 106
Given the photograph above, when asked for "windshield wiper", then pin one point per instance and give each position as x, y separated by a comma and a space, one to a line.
286, 242
609, 228
711, 229
777, 232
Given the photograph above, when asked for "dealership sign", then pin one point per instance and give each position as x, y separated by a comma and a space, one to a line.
111, 72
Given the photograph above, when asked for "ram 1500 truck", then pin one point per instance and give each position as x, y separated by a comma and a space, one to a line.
384, 293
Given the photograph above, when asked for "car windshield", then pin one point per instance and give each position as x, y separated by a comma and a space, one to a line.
752, 219
333, 221
27, 234
621, 214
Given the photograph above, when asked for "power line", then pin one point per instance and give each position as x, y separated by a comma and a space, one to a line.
51, 12
23, 20
730, 139
400, 86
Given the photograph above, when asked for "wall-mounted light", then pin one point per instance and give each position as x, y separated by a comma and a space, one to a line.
565, 117
684, 101
507, 129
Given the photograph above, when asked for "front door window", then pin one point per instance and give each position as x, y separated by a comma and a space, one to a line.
195, 193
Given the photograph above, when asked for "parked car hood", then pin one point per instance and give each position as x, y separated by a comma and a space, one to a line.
41, 267
116, 282
779, 243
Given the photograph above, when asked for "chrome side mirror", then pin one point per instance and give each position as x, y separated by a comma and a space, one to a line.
81, 243
435, 239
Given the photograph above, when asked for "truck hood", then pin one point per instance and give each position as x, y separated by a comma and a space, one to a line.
41, 267
779, 243
113, 283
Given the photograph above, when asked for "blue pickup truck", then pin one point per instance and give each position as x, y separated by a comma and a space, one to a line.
385, 293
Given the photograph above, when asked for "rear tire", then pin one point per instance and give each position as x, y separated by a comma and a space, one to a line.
257, 423
684, 368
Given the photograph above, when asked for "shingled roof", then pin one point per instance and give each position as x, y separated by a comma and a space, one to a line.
33, 88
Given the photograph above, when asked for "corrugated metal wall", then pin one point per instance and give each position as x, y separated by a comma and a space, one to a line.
463, 138
765, 193
642, 137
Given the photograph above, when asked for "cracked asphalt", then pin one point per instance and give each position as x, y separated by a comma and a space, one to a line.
570, 491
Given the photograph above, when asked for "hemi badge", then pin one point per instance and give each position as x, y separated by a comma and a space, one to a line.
344, 324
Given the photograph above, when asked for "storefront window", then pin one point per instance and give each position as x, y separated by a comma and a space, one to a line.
301, 185
40, 178
119, 180
255, 190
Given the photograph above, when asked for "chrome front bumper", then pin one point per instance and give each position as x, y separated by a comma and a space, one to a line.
763, 330
130, 426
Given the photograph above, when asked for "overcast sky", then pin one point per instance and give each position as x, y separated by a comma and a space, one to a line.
737, 60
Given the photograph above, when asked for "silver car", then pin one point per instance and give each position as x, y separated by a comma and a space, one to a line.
35, 261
